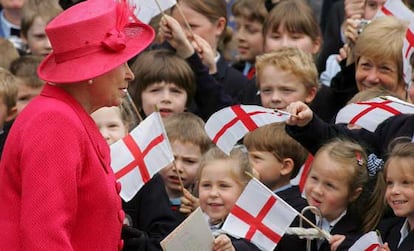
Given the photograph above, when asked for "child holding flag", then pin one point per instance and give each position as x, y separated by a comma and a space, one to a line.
189, 142
221, 180
156, 208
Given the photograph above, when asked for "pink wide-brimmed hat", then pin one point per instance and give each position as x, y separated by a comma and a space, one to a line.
92, 38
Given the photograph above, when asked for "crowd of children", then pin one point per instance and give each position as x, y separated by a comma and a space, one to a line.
187, 75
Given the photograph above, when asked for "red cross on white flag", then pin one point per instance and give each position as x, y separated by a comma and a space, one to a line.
263, 222
230, 124
368, 242
141, 154
302, 175
408, 49
396, 8
147, 9
369, 114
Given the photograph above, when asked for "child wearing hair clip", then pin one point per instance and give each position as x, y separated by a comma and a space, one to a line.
336, 185
221, 180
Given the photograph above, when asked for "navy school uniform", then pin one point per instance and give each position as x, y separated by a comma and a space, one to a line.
391, 232
293, 197
150, 217
243, 244
230, 79
316, 133
239, 244
347, 226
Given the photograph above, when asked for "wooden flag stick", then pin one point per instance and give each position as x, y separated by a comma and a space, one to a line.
159, 7
397, 100
188, 26
286, 113
175, 166
134, 107
179, 176
323, 233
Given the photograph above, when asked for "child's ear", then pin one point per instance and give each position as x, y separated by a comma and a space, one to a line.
316, 46
12, 113
221, 25
311, 95
355, 194
288, 165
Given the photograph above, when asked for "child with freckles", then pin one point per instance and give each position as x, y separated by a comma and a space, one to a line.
221, 180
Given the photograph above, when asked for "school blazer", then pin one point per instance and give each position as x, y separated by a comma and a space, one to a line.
57, 189
347, 226
390, 232
316, 133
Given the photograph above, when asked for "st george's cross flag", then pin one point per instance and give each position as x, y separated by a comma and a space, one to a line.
368, 242
141, 154
369, 114
263, 222
145, 10
399, 10
408, 49
230, 124
396, 8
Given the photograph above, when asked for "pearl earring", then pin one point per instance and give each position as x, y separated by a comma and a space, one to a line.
90, 81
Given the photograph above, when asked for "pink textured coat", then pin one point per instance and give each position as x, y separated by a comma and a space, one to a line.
57, 190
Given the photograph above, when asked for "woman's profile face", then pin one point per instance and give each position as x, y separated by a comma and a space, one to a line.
109, 88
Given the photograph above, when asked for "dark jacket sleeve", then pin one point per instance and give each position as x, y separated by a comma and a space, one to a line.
329, 100
243, 244
210, 96
151, 216
317, 133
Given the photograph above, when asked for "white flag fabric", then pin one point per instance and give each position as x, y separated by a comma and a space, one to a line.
141, 154
369, 114
263, 222
227, 126
396, 8
368, 242
145, 10
408, 49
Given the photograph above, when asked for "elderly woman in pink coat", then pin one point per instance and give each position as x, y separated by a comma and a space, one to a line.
57, 189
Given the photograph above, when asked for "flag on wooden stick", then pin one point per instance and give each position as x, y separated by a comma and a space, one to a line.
141, 154
263, 222
145, 10
230, 124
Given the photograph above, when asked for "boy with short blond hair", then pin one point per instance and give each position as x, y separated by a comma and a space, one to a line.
8, 99
286, 75
155, 208
277, 158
